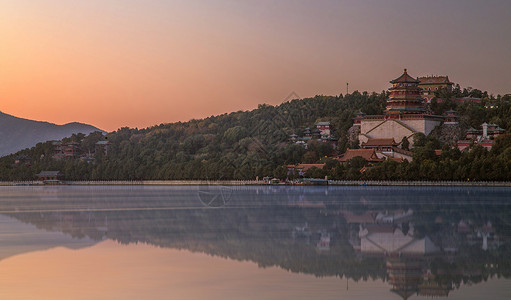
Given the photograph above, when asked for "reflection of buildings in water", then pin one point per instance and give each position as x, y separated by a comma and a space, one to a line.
388, 239
404, 275
302, 232
408, 276
376, 229
405, 254
490, 240
324, 241
479, 235
430, 287
394, 217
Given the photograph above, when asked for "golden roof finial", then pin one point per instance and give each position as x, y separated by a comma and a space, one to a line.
405, 70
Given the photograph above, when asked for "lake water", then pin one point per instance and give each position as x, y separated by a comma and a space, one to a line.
254, 242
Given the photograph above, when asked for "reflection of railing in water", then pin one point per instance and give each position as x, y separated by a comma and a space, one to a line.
419, 183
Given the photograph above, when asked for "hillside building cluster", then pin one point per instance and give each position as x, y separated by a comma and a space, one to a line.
484, 137
382, 137
73, 150
431, 84
322, 132
405, 114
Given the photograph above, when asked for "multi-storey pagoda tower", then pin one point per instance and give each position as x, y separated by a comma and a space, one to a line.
405, 114
405, 97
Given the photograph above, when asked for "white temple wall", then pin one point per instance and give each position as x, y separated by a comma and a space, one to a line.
396, 129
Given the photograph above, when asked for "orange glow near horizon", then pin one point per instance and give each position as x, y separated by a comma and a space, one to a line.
141, 63
109, 270
112, 271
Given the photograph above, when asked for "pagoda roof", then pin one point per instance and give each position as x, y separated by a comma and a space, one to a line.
434, 80
367, 154
380, 142
405, 78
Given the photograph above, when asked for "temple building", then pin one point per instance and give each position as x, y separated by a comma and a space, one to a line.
451, 117
485, 137
431, 84
369, 155
387, 149
322, 132
405, 114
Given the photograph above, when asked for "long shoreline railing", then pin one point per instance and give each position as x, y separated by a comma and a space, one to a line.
260, 182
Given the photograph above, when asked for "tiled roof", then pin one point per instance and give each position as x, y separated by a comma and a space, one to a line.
434, 80
402, 151
405, 78
380, 142
367, 154
365, 218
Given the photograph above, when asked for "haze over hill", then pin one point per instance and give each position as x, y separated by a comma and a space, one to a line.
17, 133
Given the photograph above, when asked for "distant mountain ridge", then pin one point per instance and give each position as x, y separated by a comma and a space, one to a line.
18, 133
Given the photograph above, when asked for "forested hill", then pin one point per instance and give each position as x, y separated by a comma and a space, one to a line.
238, 145
242, 144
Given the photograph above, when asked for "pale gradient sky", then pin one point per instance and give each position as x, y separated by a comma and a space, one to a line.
137, 63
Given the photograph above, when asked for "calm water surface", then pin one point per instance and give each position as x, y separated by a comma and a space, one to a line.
136, 242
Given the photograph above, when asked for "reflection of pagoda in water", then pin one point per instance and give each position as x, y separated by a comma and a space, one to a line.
390, 240
404, 275
432, 288
404, 253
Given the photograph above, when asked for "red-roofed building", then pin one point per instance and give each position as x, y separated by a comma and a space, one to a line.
380, 144
367, 154
405, 97
451, 117
431, 84
387, 149
485, 137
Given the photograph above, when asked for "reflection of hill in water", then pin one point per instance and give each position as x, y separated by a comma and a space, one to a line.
18, 238
427, 244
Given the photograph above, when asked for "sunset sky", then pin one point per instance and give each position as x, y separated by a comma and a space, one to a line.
137, 63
